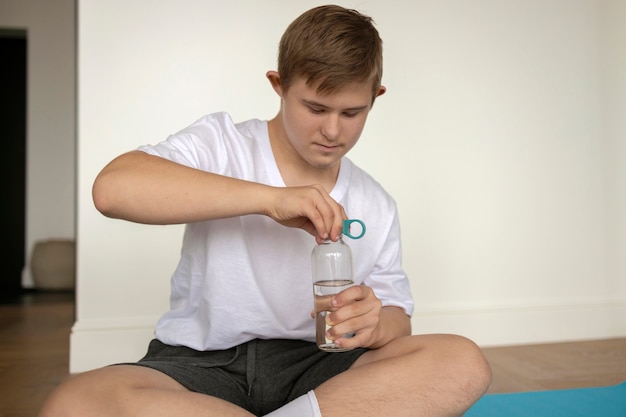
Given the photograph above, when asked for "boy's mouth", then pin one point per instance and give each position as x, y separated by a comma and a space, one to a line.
326, 147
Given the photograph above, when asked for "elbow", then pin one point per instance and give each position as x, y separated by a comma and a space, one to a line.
101, 196
112, 187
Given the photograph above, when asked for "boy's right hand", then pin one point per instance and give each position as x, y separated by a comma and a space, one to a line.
310, 208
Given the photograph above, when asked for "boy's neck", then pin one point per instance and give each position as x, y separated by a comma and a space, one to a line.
294, 170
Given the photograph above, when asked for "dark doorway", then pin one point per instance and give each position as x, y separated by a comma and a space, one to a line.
13, 47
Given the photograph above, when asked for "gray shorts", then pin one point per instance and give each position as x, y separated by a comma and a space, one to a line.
259, 376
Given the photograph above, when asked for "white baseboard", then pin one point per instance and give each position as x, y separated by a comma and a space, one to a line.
102, 342
526, 322
97, 343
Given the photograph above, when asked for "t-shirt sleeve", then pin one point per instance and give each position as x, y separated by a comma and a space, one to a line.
201, 145
387, 278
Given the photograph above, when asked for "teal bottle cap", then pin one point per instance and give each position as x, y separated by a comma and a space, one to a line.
346, 228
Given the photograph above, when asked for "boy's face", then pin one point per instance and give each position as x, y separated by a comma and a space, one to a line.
321, 129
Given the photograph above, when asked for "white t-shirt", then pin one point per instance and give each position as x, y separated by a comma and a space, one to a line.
249, 277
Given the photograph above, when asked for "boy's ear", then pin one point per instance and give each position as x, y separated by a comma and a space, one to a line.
381, 90
274, 78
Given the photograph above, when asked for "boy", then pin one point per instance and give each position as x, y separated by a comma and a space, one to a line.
238, 339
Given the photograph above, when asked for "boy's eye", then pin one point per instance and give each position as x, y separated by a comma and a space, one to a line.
321, 110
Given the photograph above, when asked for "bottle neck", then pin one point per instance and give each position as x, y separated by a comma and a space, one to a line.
328, 241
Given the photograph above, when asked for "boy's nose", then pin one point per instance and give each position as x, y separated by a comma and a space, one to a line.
331, 126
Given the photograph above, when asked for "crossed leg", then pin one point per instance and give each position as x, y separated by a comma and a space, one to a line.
429, 375
132, 391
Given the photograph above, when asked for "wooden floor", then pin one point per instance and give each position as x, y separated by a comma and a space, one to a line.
557, 365
34, 346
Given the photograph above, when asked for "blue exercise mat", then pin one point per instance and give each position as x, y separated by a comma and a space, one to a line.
580, 402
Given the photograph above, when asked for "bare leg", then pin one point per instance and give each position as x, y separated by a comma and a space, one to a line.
127, 390
430, 375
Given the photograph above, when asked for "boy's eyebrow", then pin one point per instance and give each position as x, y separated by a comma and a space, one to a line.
317, 104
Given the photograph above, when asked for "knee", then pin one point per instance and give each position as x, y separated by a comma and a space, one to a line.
468, 366
81, 396
61, 402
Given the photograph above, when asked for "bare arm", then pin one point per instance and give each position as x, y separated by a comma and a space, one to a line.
148, 189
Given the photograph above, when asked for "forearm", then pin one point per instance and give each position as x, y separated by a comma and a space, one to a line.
147, 189
393, 323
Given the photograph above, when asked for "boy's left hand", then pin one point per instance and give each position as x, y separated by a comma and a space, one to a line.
355, 310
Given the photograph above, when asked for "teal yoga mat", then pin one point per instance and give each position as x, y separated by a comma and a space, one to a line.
580, 402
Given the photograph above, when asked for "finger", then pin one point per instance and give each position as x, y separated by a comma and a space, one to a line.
366, 309
332, 213
341, 330
351, 295
355, 332
337, 226
309, 208
315, 211
323, 303
349, 314
350, 333
309, 227
326, 214
358, 340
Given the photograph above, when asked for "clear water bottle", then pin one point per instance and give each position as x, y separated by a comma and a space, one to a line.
332, 273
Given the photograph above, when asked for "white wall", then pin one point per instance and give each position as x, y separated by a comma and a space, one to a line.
613, 57
51, 133
499, 123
